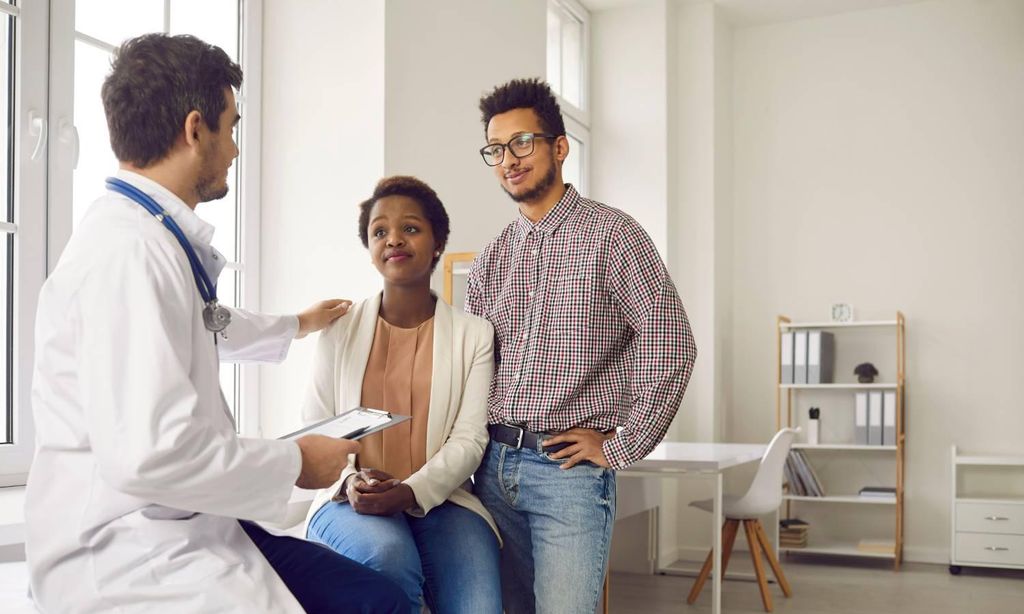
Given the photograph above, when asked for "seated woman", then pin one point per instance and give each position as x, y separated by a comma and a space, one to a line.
409, 512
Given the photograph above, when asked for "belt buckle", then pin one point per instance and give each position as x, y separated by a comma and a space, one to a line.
519, 439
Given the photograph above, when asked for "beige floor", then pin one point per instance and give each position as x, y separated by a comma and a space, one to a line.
823, 586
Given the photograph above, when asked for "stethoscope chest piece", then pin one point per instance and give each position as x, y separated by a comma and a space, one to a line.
216, 318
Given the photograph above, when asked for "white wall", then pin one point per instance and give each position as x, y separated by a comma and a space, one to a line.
442, 56
323, 150
354, 91
628, 165
878, 161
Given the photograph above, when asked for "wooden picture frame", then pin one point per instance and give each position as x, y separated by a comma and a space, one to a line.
456, 272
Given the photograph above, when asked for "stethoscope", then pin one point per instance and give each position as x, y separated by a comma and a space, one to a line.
215, 317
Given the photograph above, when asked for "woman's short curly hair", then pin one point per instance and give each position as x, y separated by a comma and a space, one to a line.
411, 187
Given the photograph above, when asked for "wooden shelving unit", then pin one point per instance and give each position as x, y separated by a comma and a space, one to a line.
784, 400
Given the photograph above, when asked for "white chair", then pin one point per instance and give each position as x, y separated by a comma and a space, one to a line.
763, 497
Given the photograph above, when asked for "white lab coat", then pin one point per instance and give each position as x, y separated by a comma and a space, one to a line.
138, 475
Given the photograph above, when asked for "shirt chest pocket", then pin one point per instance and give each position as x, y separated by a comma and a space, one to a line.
571, 302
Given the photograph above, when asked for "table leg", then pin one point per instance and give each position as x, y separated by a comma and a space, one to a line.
716, 547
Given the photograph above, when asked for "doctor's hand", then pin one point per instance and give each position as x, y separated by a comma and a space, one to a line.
320, 315
585, 446
376, 493
323, 458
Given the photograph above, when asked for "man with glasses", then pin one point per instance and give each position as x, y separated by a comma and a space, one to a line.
593, 354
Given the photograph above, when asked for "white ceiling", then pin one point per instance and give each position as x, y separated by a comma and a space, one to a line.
755, 12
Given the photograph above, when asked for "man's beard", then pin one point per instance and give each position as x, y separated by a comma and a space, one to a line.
209, 186
207, 189
536, 191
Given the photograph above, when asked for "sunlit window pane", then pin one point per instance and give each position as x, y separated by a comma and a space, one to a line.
114, 21
565, 54
7, 206
214, 21
6, 136
95, 159
554, 49
6, 295
572, 57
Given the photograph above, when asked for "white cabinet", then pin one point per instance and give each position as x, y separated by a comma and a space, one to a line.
987, 526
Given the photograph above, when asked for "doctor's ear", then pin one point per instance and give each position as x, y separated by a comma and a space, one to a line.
192, 121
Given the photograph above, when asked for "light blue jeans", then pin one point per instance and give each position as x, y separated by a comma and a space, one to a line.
556, 525
447, 559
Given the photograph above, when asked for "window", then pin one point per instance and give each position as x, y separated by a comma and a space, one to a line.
23, 151
568, 35
96, 36
59, 154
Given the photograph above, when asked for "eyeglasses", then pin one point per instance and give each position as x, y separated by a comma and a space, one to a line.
520, 146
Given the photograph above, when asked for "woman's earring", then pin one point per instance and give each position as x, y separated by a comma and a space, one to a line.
437, 254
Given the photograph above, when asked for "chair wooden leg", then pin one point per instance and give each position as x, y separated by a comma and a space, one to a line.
774, 562
607, 589
755, 554
729, 530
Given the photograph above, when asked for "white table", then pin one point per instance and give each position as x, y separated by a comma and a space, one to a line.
675, 460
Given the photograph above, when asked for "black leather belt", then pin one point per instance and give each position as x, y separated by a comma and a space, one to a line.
516, 437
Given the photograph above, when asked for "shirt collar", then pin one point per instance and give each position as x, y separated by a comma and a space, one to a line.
197, 231
554, 218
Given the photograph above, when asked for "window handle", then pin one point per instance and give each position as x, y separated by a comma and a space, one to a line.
996, 518
37, 128
996, 548
68, 133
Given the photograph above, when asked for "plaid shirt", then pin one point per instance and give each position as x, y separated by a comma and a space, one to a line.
589, 329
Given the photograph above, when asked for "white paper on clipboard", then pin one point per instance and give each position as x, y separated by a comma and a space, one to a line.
356, 423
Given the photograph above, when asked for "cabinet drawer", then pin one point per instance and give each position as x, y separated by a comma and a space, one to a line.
990, 548
990, 518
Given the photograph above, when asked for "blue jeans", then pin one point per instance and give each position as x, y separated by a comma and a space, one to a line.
324, 582
556, 525
448, 558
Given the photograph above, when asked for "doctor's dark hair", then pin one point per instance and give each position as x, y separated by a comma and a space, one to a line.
524, 94
155, 81
411, 187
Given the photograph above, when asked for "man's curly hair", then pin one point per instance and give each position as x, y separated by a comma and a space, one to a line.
524, 94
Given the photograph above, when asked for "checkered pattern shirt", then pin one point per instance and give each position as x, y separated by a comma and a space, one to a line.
589, 329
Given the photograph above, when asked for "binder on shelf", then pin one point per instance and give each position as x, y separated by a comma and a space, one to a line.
889, 418
875, 418
786, 360
820, 357
800, 357
861, 419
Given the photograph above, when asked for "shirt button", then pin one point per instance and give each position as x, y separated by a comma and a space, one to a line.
524, 336
530, 294
536, 252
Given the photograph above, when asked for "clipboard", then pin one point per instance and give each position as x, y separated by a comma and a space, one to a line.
354, 424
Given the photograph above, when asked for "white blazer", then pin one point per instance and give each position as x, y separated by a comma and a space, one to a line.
138, 473
463, 363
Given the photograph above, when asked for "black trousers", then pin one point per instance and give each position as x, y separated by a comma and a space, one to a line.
325, 582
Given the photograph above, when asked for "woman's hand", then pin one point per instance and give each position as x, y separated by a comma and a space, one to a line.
377, 493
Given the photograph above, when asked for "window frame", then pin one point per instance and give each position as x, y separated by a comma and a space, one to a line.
45, 86
577, 118
29, 269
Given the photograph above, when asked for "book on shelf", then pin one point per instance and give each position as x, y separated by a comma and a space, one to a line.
878, 492
793, 533
877, 546
803, 480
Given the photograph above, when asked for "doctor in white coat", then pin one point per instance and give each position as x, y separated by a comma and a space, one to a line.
139, 480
